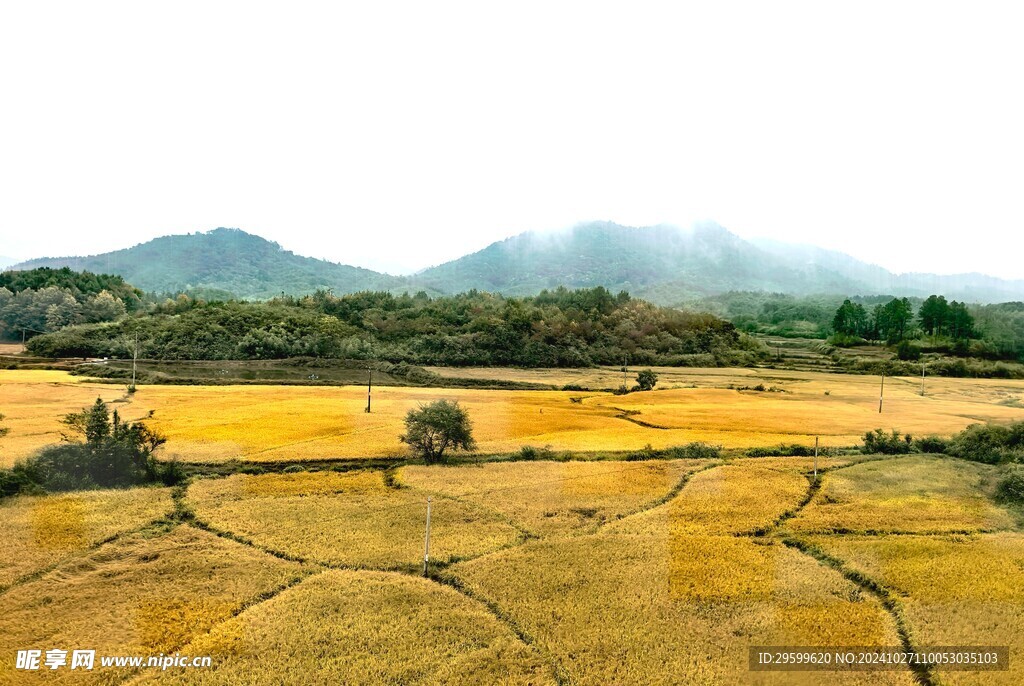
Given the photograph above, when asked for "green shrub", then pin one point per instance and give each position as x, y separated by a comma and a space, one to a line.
989, 443
784, 450
170, 473
879, 442
528, 452
931, 444
1011, 487
114, 454
694, 451
907, 351
292, 469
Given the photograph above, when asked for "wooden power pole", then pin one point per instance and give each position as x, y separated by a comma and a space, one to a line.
815, 458
881, 395
426, 540
369, 390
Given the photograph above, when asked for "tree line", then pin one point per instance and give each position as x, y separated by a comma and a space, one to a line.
45, 300
896, 320
556, 328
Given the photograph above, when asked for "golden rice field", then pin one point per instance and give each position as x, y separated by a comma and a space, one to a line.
38, 532
146, 593
542, 572
353, 519
548, 498
728, 499
956, 590
615, 609
267, 423
375, 628
912, 494
585, 573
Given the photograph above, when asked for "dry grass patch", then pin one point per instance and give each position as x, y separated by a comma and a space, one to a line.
555, 497
38, 531
724, 500
143, 594
350, 519
344, 627
652, 610
914, 494
955, 590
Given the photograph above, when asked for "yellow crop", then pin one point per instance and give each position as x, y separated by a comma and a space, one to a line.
555, 497
344, 627
142, 594
955, 590
726, 499
350, 519
616, 609
38, 531
216, 423
915, 494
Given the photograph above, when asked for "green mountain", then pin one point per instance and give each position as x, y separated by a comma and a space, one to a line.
661, 263
668, 265
223, 260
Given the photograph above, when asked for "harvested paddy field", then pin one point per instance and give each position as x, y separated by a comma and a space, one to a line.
275, 423
655, 572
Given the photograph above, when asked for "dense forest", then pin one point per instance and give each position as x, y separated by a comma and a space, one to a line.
558, 328
45, 300
986, 331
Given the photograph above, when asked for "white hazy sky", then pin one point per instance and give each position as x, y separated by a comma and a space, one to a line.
400, 135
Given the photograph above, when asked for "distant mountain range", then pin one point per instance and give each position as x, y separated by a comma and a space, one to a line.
664, 264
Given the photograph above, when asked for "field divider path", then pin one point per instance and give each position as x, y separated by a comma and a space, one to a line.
443, 578
631, 416
663, 500
166, 521
923, 673
889, 600
152, 525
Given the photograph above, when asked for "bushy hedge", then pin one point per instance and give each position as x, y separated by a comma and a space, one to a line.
878, 442
990, 443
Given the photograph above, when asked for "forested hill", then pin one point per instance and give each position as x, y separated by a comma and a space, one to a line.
558, 328
668, 265
224, 263
662, 264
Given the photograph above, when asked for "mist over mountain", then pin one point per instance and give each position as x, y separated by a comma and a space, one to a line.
664, 264
668, 265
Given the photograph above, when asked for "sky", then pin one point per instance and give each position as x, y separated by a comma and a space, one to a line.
396, 136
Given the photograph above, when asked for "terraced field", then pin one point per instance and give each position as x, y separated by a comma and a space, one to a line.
541, 572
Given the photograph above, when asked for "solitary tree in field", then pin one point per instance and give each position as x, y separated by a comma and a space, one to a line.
646, 380
433, 428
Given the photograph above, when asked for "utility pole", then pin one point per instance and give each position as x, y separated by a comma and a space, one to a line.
625, 364
815, 458
881, 395
922, 379
426, 540
369, 390
135, 359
